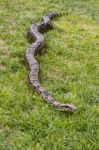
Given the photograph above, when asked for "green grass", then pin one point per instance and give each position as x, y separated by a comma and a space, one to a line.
69, 70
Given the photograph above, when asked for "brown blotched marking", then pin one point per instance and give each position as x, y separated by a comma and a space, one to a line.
33, 77
36, 83
46, 93
29, 56
41, 89
34, 67
35, 33
32, 62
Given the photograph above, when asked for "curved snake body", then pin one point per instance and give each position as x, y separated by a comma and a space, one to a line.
35, 32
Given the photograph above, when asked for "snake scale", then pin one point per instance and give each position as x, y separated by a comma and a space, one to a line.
35, 34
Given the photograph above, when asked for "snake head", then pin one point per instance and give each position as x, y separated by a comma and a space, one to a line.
67, 107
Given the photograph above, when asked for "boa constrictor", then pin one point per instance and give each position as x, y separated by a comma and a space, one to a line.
35, 33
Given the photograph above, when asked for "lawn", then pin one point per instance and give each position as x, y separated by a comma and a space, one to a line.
69, 70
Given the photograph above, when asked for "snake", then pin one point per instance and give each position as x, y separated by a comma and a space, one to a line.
37, 43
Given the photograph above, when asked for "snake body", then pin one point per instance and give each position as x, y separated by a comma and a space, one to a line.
36, 33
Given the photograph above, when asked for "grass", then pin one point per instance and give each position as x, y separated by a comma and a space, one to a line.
69, 70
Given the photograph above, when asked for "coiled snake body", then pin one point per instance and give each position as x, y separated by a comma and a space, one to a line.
35, 32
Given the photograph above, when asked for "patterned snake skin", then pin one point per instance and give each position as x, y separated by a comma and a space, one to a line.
35, 33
